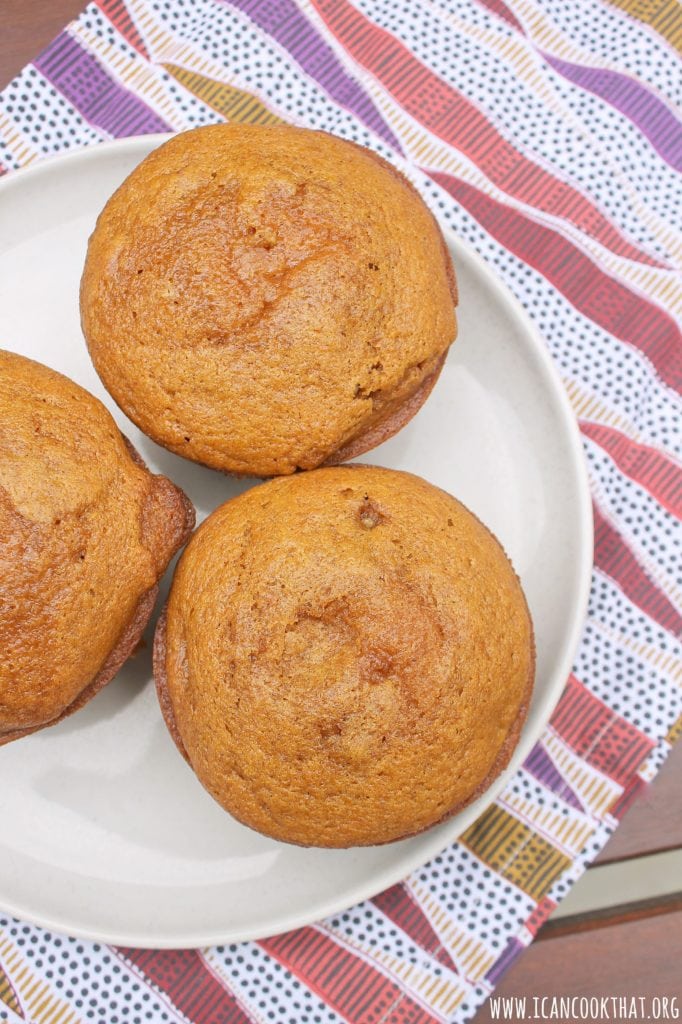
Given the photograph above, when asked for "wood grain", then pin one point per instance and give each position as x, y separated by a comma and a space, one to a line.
654, 822
622, 957
607, 916
27, 27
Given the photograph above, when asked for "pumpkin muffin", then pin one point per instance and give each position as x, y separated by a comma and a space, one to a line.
263, 299
346, 656
85, 533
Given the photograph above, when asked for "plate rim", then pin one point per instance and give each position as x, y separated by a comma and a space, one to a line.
444, 836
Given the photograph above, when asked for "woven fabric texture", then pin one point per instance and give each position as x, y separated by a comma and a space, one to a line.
544, 133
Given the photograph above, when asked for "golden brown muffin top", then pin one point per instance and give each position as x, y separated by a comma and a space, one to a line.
85, 532
347, 656
256, 297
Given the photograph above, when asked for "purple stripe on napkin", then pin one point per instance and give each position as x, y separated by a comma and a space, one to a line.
540, 765
98, 97
512, 950
645, 110
287, 25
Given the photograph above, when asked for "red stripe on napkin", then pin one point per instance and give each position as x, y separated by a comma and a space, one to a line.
460, 123
614, 557
190, 984
647, 466
351, 986
625, 314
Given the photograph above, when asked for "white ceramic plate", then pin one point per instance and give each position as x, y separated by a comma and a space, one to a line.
105, 831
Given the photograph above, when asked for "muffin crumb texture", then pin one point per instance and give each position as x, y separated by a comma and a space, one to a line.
85, 533
259, 298
346, 657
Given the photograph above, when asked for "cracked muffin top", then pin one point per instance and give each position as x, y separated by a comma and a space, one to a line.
266, 299
346, 656
85, 533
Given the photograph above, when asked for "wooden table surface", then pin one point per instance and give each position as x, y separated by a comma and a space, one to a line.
631, 949
634, 948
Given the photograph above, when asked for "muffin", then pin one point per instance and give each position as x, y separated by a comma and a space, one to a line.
346, 657
85, 533
263, 299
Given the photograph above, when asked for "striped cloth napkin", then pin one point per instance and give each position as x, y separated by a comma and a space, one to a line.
543, 132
